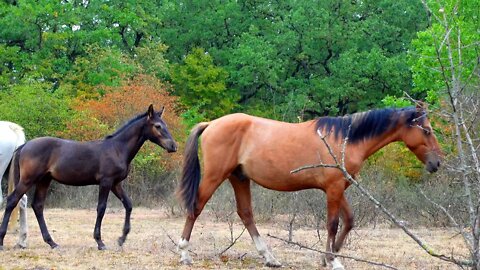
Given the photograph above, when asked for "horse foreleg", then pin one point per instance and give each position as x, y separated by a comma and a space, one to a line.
333, 205
243, 198
37, 205
347, 218
12, 201
101, 206
205, 191
127, 203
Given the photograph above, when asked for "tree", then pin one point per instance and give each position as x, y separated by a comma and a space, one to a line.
201, 85
40, 112
445, 63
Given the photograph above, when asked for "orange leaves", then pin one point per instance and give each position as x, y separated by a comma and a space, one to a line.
96, 118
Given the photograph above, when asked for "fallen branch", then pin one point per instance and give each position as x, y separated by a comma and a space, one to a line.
334, 254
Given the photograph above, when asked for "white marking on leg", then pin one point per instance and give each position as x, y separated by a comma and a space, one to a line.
263, 250
184, 255
22, 238
337, 265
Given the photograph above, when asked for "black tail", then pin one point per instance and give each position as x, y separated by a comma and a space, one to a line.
14, 170
13, 178
191, 170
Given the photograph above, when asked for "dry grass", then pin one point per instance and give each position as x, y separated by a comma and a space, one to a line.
149, 247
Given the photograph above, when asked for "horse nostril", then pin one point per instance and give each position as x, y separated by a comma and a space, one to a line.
438, 163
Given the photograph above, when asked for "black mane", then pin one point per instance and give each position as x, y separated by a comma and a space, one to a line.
365, 125
126, 125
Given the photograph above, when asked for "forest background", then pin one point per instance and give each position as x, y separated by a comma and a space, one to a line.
80, 69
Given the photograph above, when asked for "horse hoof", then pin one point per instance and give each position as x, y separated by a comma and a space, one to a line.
120, 241
274, 264
102, 247
186, 261
336, 265
1, 248
19, 246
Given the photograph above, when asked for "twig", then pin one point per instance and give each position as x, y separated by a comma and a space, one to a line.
175, 244
452, 220
232, 242
334, 254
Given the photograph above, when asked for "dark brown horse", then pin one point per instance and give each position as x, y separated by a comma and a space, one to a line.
104, 163
245, 148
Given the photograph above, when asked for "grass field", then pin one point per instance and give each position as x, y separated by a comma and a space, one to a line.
149, 244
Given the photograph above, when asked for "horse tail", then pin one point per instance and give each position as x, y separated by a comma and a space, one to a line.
13, 178
191, 169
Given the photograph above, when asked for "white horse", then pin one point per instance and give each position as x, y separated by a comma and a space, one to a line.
11, 137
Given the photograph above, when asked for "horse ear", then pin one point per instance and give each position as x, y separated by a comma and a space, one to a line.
150, 111
421, 106
161, 111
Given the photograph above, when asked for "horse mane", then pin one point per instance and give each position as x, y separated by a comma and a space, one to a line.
126, 125
365, 125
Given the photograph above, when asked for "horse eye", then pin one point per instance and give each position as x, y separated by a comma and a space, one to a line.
158, 126
427, 131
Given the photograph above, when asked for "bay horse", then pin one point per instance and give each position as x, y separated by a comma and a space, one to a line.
12, 136
104, 162
243, 148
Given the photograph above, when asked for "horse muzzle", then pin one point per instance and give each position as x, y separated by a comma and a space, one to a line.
171, 147
432, 166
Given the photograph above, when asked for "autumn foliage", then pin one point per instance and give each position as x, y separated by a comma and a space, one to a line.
98, 117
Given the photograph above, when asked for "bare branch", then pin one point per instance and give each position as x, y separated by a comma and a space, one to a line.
335, 254
380, 206
458, 228
232, 242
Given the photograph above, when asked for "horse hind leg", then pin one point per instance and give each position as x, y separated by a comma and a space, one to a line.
205, 191
12, 201
243, 197
38, 203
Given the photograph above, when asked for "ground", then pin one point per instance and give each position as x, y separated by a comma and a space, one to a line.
149, 244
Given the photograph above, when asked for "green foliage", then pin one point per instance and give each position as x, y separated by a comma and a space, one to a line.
429, 58
394, 102
40, 112
201, 85
292, 59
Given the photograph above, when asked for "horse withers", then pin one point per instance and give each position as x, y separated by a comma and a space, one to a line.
245, 148
104, 162
12, 136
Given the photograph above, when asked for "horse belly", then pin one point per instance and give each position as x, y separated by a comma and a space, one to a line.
276, 174
75, 173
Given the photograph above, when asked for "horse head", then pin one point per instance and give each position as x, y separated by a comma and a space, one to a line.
157, 131
421, 140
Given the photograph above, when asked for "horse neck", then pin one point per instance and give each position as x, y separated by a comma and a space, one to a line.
129, 141
372, 145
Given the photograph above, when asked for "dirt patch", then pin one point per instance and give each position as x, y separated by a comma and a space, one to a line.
149, 244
